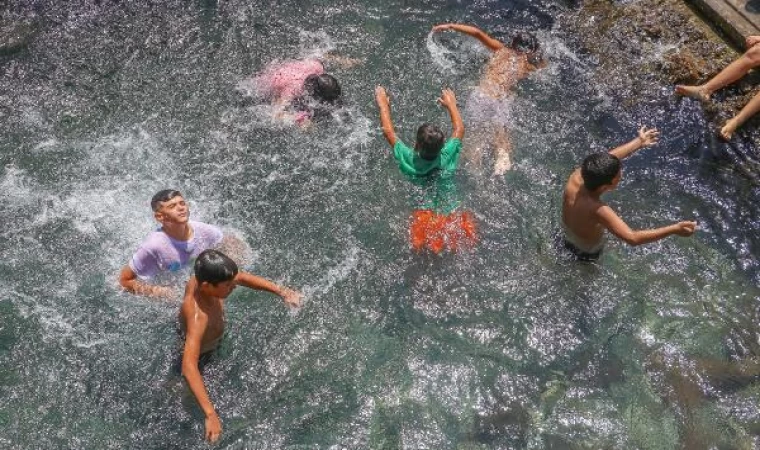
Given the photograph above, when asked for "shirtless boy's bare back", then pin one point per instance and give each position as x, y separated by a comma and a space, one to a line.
202, 319
509, 63
585, 216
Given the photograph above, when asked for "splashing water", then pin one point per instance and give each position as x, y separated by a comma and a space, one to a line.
505, 345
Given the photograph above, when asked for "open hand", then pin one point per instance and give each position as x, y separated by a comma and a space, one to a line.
686, 228
291, 298
648, 136
448, 98
213, 428
751, 41
381, 97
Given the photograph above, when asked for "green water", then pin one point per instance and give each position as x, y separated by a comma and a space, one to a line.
503, 346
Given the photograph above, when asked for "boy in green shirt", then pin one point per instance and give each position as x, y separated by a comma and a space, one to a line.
432, 154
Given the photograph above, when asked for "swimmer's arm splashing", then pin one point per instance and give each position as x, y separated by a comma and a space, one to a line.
491, 43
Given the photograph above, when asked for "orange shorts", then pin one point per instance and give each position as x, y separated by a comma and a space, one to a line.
436, 231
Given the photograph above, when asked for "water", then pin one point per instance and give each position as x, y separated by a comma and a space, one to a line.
503, 346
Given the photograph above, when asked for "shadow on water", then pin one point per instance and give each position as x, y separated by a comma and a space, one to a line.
503, 345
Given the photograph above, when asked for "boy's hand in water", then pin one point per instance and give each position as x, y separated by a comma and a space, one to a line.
381, 97
213, 428
686, 228
290, 297
648, 136
752, 41
448, 99
443, 27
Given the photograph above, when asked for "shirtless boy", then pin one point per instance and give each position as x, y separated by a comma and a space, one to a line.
202, 319
489, 107
585, 216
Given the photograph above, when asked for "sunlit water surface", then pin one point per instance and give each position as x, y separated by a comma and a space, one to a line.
503, 346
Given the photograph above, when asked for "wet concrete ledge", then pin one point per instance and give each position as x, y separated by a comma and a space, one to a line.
736, 18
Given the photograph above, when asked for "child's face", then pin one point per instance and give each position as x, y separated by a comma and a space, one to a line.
221, 290
175, 210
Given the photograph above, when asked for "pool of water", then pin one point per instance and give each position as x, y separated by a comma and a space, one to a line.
505, 345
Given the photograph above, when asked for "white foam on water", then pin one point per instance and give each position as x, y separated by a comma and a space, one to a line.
16, 186
455, 60
315, 44
337, 273
53, 323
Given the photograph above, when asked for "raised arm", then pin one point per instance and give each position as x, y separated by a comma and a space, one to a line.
619, 228
196, 326
384, 104
475, 32
449, 101
647, 137
289, 296
129, 281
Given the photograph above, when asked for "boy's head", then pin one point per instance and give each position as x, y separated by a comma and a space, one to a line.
430, 140
324, 88
169, 207
600, 169
163, 196
527, 43
215, 273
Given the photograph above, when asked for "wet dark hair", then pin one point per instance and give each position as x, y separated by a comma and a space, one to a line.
163, 196
323, 88
599, 169
430, 140
527, 43
214, 267
321, 97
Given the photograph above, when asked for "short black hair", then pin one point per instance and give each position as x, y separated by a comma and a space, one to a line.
430, 140
163, 196
323, 87
599, 169
527, 43
214, 267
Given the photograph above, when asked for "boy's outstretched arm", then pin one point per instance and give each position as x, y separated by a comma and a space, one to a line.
647, 137
619, 228
384, 104
129, 281
289, 296
190, 356
449, 101
475, 32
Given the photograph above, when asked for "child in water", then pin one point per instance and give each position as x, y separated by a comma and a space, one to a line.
301, 90
201, 319
432, 154
489, 106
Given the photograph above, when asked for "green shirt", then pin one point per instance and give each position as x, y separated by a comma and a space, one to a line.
412, 164
437, 193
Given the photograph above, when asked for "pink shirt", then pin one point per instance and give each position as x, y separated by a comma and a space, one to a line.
284, 80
